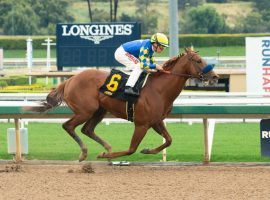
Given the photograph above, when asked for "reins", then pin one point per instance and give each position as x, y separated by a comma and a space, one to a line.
200, 75
177, 74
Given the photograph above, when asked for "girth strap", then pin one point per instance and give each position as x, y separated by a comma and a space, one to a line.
130, 110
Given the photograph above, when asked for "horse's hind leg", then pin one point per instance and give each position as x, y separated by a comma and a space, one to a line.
70, 126
161, 130
90, 125
137, 137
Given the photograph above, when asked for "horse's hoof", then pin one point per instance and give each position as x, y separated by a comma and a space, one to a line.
102, 155
82, 158
145, 151
83, 155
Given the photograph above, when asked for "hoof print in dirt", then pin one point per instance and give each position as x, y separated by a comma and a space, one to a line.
12, 168
70, 171
87, 168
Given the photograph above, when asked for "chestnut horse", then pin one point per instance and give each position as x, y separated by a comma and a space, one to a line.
81, 94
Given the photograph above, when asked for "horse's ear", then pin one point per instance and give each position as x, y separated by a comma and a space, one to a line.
186, 49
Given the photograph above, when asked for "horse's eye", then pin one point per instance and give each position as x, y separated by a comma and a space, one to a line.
199, 61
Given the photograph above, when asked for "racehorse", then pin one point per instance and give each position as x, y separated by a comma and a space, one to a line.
81, 94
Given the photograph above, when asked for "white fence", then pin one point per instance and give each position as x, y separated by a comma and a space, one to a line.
223, 62
185, 98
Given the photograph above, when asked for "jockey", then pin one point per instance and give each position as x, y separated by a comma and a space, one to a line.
137, 56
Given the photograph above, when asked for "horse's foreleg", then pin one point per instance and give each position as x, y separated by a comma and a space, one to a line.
161, 130
137, 137
70, 126
88, 128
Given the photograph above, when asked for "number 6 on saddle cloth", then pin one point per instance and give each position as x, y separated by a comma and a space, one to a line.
114, 86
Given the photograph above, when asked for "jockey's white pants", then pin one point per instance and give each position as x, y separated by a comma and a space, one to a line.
131, 63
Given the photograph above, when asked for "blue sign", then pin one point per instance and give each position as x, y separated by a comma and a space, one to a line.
265, 137
92, 44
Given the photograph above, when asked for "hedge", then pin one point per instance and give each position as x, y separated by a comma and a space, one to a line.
207, 40
19, 42
199, 40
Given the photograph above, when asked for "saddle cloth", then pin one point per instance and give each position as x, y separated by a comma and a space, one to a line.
114, 85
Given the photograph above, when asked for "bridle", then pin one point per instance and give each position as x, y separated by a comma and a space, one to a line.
201, 72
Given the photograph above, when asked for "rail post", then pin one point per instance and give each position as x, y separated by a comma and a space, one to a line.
29, 57
48, 59
206, 150
18, 156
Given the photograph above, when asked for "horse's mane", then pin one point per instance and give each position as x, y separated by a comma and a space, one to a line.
170, 63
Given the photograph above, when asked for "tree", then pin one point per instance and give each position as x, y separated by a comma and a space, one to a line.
262, 5
115, 9
21, 20
100, 15
5, 7
184, 4
32, 16
112, 15
259, 19
147, 16
51, 11
252, 23
90, 10
204, 19
111, 10
266, 16
127, 18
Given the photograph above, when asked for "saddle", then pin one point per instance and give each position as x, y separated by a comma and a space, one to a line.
114, 87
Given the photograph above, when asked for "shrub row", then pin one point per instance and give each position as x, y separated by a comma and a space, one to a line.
19, 42
199, 40
208, 40
15, 80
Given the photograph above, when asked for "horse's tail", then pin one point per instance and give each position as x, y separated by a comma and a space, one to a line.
53, 99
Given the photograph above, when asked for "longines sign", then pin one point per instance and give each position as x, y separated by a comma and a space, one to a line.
92, 44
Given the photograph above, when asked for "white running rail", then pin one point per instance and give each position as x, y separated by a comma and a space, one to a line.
190, 98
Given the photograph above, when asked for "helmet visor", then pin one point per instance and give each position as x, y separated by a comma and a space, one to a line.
162, 44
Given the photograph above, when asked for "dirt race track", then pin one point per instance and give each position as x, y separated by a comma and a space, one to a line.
96, 181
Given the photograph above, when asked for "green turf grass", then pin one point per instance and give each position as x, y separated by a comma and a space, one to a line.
37, 53
237, 142
233, 142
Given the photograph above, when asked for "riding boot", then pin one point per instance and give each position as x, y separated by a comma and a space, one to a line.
134, 76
